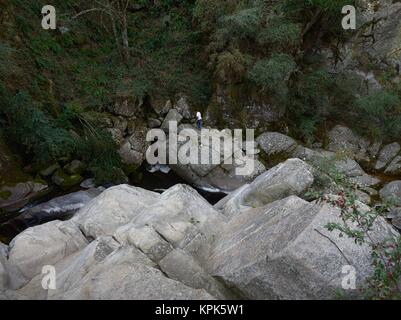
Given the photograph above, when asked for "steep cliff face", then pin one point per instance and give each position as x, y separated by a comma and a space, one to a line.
375, 47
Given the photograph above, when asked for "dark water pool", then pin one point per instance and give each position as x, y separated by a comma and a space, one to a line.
11, 224
159, 181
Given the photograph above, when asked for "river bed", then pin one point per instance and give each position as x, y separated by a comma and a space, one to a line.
11, 224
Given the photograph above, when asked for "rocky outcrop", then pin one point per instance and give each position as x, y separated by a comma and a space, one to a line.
380, 34
376, 43
344, 140
276, 144
62, 207
113, 208
386, 155
292, 177
39, 246
135, 233
129, 243
133, 149
14, 197
237, 105
65, 181
172, 116
392, 193
287, 253
220, 170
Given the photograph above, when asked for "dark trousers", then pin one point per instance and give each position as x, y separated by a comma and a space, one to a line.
199, 124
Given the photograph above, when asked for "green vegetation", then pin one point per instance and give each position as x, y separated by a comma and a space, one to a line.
357, 224
49, 139
382, 112
151, 51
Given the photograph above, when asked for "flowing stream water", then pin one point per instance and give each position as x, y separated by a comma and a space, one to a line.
13, 223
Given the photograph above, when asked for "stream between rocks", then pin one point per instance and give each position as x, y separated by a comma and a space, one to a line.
68, 202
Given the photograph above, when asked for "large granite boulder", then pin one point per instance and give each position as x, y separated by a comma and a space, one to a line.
127, 274
182, 219
113, 208
136, 234
39, 246
292, 177
103, 264
387, 154
344, 140
391, 193
326, 160
222, 170
284, 251
181, 266
129, 243
275, 144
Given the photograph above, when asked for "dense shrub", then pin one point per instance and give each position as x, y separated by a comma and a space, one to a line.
280, 33
45, 139
35, 131
274, 72
380, 114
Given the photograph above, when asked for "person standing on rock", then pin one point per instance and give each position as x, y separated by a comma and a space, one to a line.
199, 120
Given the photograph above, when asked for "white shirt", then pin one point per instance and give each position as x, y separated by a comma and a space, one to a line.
198, 116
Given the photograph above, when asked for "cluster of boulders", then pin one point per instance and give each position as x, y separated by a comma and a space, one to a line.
221, 174
14, 196
217, 175
61, 207
375, 156
260, 242
277, 147
349, 154
127, 126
